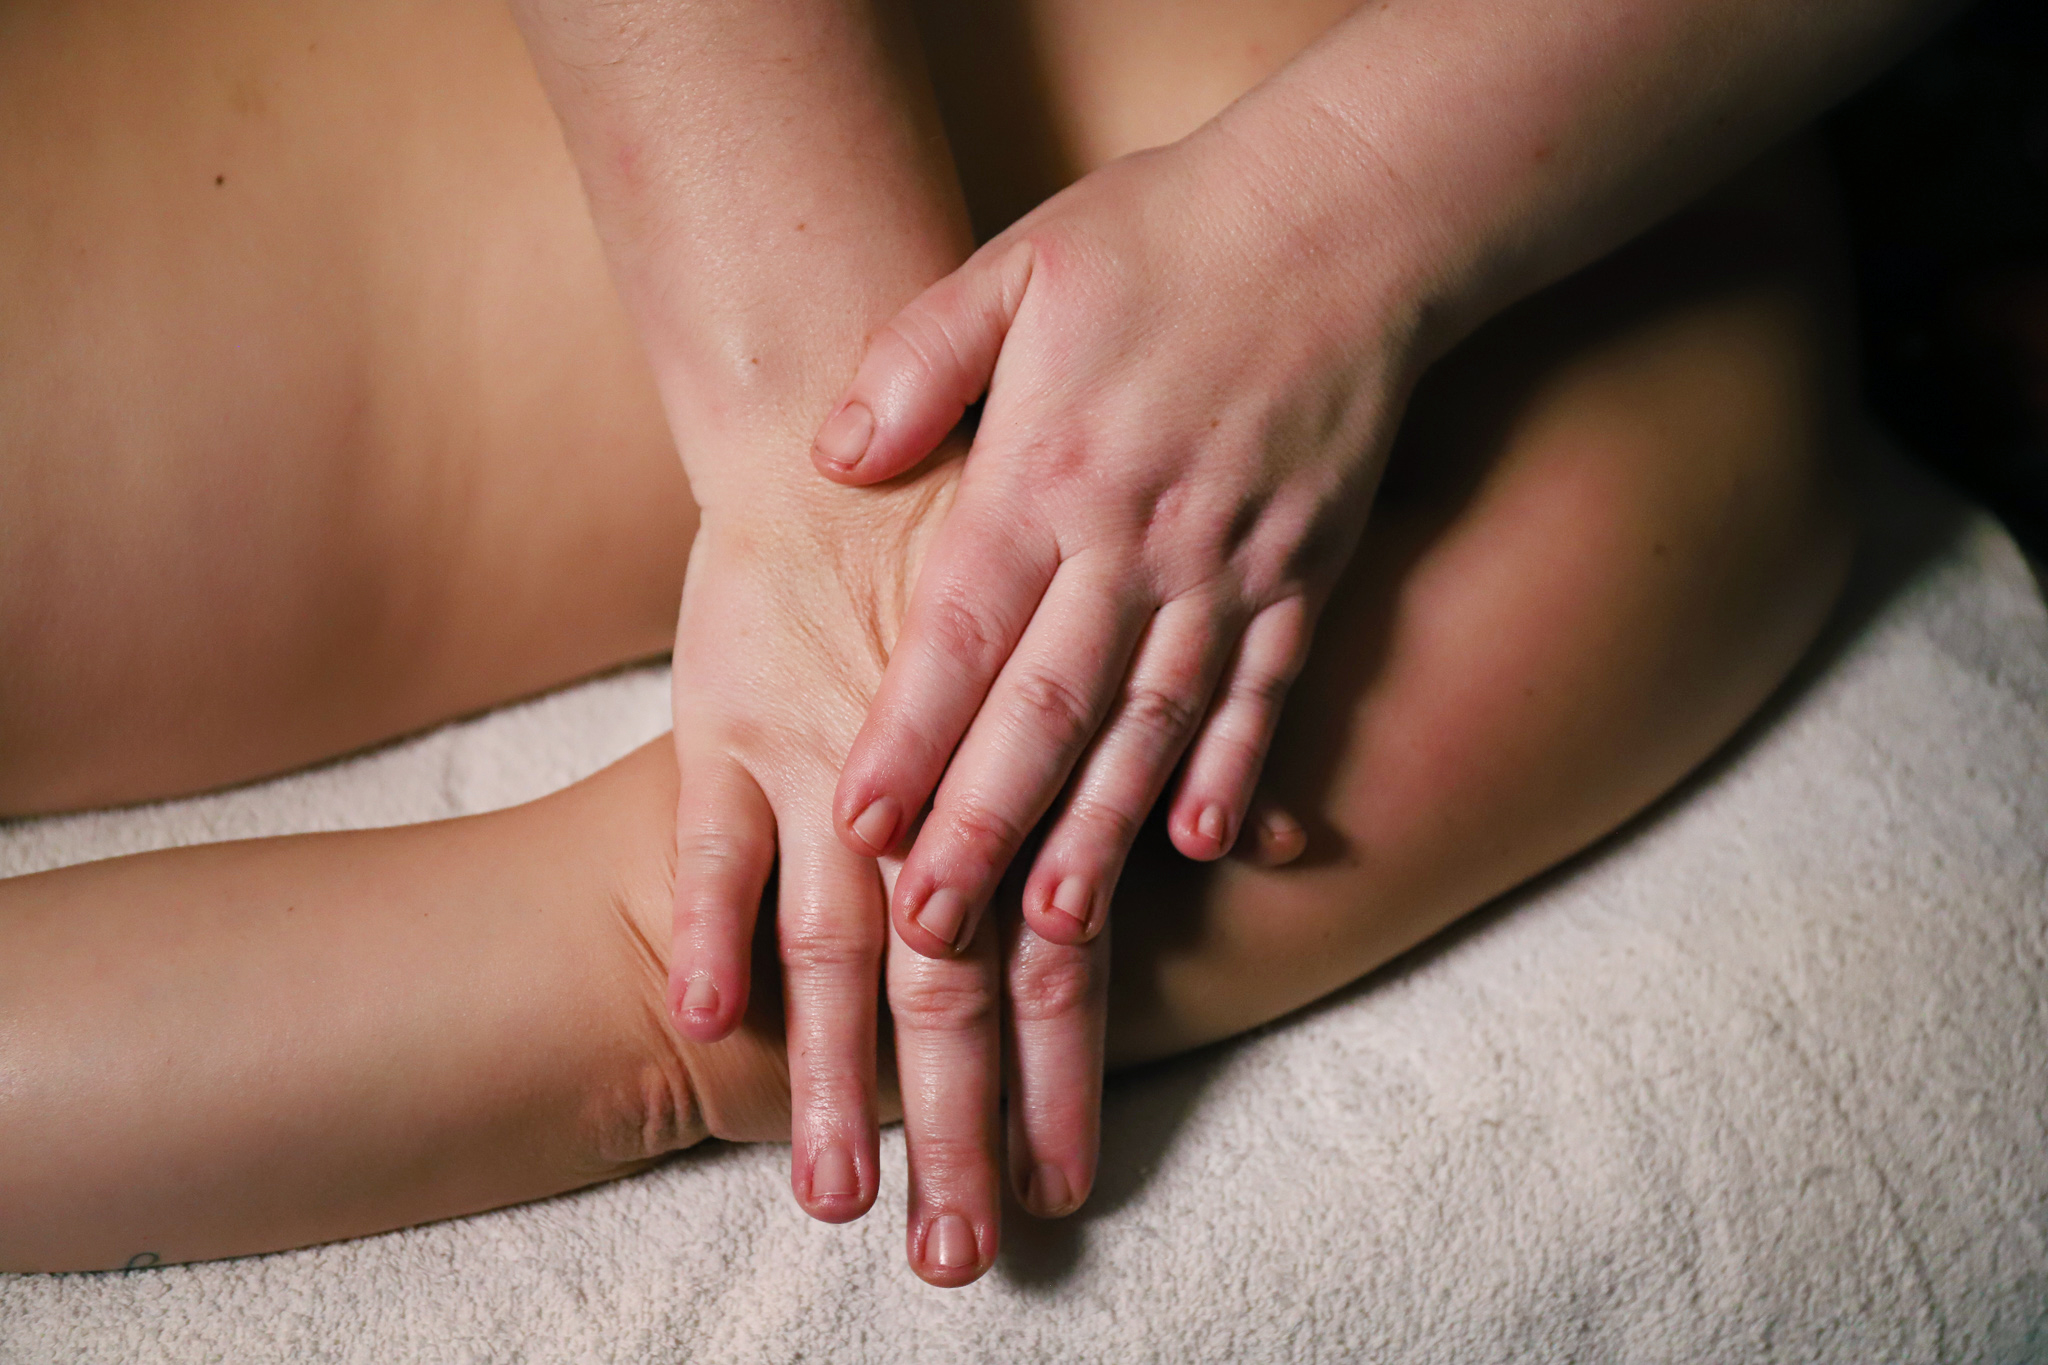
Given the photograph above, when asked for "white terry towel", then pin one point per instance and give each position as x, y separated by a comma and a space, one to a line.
1764, 1077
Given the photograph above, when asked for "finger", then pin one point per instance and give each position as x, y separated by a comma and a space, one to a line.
948, 1058
922, 370
1230, 750
975, 597
725, 849
1271, 836
1039, 717
1067, 896
830, 923
1059, 1006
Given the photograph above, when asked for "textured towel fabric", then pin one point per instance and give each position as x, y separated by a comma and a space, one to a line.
1765, 1077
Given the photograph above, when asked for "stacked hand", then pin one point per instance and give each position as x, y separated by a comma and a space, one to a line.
788, 613
1186, 410
1179, 447
1192, 360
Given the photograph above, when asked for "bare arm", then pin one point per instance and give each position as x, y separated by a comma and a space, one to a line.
243, 1047
1465, 154
771, 182
1167, 480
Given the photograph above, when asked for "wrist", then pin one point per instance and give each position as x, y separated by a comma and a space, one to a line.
1346, 253
1367, 149
748, 462
849, 554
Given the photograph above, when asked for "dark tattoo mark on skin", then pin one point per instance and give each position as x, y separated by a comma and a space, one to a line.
143, 1260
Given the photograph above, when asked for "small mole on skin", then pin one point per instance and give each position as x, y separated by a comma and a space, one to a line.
1215, 422
220, 180
1659, 549
799, 227
1543, 151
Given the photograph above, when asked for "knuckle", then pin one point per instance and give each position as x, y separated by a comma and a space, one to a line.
1185, 529
921, 342
1264, 690
1053, 705
1048, 260
709, 853
1162, 711
1103, 830
1052, 985
715, 881
831, 953
949, 1160
1067, 266
1067, 458
987, 835
959, 632
941, 1002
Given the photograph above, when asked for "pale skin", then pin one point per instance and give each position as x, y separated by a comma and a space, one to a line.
1619, 528
1166, 484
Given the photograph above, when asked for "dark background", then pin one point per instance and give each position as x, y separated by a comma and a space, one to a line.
1944, 169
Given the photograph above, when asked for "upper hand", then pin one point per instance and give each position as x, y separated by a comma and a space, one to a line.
1186, 415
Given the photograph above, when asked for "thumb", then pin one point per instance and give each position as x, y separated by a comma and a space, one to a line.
725, 851
923, 369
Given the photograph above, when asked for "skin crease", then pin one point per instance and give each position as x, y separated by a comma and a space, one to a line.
1355, 173
488, 570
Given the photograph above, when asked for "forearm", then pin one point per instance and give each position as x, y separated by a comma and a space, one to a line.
1459, 156
236, 1048
771, 182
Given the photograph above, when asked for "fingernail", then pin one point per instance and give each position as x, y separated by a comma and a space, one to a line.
844, 437
1071, 899
701, 996
943, 914
833, 1176
1049, 1192
1212, 824
876, 826
950, 1243
1284, 839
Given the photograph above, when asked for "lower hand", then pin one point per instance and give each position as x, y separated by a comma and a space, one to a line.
789, 610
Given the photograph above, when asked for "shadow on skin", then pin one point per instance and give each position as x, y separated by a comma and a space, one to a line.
1907, 522
1144, 1109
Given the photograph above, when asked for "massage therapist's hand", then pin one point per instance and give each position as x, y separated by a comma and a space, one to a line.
1186, 412
792, 600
